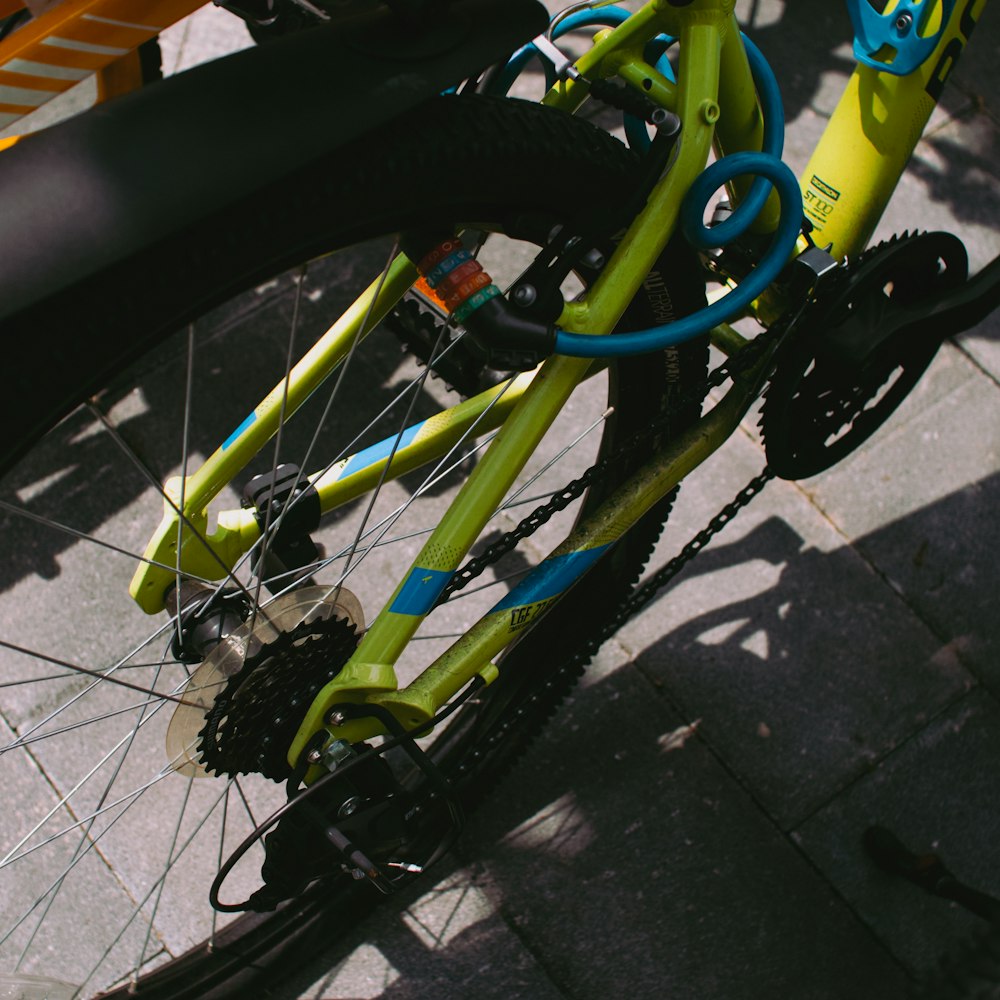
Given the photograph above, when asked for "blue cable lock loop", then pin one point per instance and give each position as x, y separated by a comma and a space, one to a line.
768, 169
896, 34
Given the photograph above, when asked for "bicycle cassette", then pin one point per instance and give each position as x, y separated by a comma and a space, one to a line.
243, 705
858, 352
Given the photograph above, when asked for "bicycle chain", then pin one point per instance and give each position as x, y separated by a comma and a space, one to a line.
631, 605
741, 361
640, 596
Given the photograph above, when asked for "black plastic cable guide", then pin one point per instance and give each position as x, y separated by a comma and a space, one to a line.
287, 504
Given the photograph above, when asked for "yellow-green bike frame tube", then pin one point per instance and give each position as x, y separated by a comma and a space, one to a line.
372, 667
150, 584
700, 29
741, 125
874, 129
210, 556
587, 542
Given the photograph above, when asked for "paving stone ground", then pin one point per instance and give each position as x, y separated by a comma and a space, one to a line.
834, 654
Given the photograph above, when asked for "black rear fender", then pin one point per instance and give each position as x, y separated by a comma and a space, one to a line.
99, 188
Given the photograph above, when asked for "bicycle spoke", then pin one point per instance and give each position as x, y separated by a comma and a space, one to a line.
100, 812
76, 861
87, 826
138, 908
558, 457
163, 878
381, 541
246, 804
343, 368
66, 676
468, 591
27, 741
340, 455
148, 475
83, 536
185, 432
88, 672
220, 857
135, 796
63, 800
301, 277
431, 478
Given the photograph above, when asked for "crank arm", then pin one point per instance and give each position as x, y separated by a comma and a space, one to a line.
963, 308
957, 307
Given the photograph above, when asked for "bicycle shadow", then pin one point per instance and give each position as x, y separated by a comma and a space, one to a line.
612, 865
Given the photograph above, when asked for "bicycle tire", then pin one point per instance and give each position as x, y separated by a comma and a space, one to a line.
458, 159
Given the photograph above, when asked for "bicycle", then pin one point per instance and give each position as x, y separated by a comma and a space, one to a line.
390, 810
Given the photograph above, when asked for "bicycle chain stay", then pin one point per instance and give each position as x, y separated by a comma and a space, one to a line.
739, 363
630, 606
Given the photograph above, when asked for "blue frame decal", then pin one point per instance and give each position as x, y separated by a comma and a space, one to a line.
376, 452
551, 578
421, 589
239, 430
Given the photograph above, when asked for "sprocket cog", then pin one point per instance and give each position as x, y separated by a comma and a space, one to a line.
856, 358
255, 717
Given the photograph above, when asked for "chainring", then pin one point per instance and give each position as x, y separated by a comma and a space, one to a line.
856, 359
254, 719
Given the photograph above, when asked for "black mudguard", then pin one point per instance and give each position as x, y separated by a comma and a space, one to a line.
85, 194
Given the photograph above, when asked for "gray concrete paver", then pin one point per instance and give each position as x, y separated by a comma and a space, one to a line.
978, 71
769, 632
447, 938
930, 527
939, 793
951, 183
635, 870
74, 935
209, 33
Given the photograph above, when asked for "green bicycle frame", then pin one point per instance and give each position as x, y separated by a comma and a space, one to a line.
715, 99
871, 136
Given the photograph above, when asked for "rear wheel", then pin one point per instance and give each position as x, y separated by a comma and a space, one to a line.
100, 817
